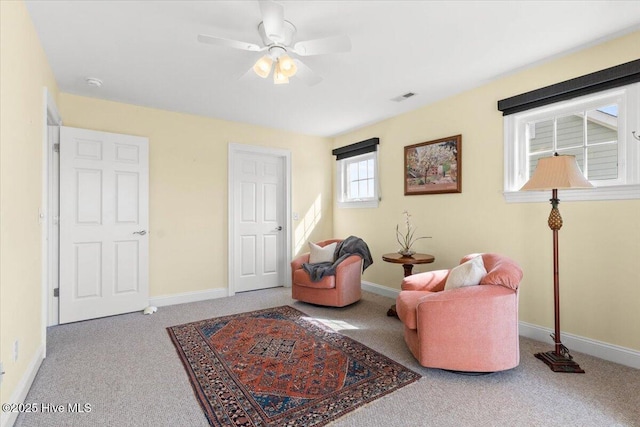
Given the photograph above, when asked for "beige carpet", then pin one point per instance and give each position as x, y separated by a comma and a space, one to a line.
126, 368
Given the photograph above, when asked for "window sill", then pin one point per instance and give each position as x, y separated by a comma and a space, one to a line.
617, 192
358, 204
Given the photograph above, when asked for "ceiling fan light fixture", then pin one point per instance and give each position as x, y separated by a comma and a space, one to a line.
262, 67
278, 76
287, 66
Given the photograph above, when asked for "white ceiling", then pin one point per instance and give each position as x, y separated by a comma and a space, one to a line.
147, 54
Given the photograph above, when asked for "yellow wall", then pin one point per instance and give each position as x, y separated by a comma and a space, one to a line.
188, 158
24, 72
599, 243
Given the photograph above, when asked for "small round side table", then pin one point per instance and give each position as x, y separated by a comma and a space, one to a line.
407, 263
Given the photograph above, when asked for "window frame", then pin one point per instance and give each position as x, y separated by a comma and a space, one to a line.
627, 186
342, 167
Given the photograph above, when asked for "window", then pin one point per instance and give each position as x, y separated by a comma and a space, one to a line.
596, 128
357, 181
357, 175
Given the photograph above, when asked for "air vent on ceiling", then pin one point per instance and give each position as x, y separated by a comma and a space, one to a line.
93, 81
403, 97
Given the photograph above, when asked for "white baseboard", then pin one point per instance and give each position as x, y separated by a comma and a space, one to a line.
187, 297
7, 419
602, 350
385, 291
613, 353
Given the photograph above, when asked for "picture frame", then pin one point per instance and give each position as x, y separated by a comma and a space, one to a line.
433, 167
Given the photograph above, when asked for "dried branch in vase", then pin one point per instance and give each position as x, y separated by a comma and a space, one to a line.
407, 238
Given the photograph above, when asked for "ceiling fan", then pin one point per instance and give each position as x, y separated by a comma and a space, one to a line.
278, 36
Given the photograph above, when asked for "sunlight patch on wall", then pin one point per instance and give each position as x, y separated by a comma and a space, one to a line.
307, 224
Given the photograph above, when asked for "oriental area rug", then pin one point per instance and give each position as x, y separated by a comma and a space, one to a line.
280, 367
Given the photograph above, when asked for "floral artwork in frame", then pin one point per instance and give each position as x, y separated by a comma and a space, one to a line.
433, 167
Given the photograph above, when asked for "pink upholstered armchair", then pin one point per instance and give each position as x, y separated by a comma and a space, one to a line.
337, 291
471, 328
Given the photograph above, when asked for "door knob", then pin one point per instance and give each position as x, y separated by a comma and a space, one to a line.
279, 228
141, 232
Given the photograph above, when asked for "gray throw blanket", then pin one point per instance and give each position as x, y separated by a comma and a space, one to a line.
352, 245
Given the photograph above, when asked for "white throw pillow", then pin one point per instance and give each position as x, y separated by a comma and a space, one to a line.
467, 274
320, 254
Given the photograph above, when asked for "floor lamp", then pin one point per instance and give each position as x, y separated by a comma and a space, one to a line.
553, 173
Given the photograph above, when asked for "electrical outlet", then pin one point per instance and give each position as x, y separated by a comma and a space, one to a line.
15, 351
1, 372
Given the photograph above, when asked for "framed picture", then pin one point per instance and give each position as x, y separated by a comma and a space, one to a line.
433, 167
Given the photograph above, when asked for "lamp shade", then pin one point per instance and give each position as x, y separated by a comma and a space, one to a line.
557, 172
278, 76
287, 66
262, 67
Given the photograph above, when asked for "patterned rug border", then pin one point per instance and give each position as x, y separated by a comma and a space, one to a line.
320, 331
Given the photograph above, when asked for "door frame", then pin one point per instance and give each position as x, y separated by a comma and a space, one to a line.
235, 149
49, 251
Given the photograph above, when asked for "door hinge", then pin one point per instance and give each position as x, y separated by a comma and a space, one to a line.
56, 292
56, 148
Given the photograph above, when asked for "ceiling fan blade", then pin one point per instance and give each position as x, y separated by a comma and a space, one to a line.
306, 74
203, 38
248, 75
335, 44
273, 19
245, 71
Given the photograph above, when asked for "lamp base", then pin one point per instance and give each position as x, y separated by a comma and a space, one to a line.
559, 363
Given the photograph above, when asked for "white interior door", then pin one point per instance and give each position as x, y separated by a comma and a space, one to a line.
104, 217
258, 228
